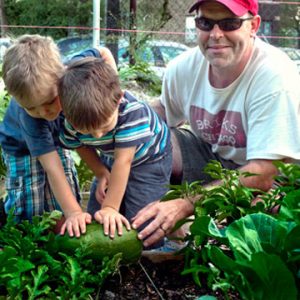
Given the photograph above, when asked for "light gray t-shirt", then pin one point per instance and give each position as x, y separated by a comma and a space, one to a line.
255, 117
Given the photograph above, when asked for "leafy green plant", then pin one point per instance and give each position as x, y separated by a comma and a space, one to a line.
143, 75
255, 254
289, 175
3, 106
30, 268
85, 175
228, 201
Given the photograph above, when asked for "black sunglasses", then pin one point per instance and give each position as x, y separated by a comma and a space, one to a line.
229, 24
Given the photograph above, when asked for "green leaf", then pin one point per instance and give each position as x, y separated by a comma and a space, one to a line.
206, 225
290, 209
292, 241
222, 261
38, 288
273, 279
255, 233
207, 297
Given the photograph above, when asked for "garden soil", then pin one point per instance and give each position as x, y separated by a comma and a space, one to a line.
150, 281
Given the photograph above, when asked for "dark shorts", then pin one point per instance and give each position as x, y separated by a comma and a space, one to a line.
195, 156
147, 182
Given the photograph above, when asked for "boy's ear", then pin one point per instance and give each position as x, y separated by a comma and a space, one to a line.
122, 95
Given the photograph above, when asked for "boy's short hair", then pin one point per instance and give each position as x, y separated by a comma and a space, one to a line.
31, 67
89, 92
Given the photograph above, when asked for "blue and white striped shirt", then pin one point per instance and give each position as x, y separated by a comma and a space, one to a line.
138, 125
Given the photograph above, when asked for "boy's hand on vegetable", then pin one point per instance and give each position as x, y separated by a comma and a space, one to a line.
75, 223
112, 220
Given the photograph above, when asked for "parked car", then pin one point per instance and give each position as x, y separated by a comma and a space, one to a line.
72, 45
294, 55
157, 53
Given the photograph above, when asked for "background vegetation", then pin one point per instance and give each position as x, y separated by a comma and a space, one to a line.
145, 16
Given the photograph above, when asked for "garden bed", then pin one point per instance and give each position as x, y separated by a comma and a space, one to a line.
166, 282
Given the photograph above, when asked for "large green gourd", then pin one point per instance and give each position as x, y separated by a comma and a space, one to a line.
100, 245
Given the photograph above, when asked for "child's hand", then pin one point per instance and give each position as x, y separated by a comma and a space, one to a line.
102, 187
76, 223
111, 220
108, 57
101, 190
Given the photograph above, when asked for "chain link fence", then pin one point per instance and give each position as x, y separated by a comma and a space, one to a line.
129, 24
169, 20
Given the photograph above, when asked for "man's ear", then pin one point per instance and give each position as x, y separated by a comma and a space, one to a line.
255, 23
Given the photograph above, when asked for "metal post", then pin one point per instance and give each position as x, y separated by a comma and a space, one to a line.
96, 23
112, 22
132, 37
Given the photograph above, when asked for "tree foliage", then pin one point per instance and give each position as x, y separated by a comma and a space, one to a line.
47, 13
290, 25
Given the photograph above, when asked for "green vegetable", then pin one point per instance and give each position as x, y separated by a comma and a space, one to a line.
98, 245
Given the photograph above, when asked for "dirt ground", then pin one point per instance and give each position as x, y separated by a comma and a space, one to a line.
162, 281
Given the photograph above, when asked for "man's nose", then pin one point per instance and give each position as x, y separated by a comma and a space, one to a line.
216, 32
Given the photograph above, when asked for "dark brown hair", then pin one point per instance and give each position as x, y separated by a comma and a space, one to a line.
89, 92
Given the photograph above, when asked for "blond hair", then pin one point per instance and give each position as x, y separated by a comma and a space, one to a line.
31, 67
89, 92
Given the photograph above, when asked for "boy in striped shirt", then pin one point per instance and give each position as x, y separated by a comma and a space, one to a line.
122, 140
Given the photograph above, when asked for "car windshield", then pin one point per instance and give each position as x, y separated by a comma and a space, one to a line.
74, 45
169, 53
144, 54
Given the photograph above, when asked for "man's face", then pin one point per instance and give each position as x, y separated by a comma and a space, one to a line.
226, 49
46, 106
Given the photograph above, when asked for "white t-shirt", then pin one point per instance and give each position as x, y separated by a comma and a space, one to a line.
255, 117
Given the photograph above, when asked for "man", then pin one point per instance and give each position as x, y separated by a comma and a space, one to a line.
241, 98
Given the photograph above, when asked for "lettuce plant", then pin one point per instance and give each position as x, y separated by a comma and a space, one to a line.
234, 246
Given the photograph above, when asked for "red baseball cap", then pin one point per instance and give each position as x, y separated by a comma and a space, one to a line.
238, 7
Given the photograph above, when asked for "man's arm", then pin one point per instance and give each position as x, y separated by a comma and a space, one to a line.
263, 179
159, 109
76, 218
166, 214
265, 171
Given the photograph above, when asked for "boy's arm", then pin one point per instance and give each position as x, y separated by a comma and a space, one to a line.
109, 214
76, 218
91, 158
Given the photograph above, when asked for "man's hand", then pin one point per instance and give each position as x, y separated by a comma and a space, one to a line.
75, 223
164, 215
112, 220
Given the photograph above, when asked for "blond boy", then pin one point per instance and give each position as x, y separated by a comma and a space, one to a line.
40, 174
